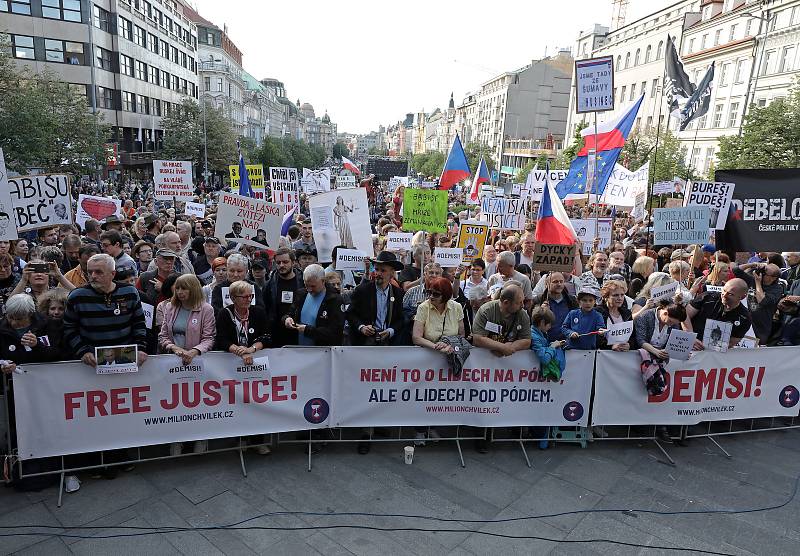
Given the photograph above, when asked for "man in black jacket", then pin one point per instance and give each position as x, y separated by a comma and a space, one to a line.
279, 295
376, 312
316, 313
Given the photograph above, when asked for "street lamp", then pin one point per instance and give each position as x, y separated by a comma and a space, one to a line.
205, 136
765, 21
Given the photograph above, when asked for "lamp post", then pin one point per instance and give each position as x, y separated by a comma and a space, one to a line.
765, 22
211, 59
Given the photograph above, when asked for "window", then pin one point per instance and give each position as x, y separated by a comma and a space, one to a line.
219, 86
660, 50
75, 53
732, 33
762, 102
633, 91
717, 121
787, 59
637, 57
724, 74
709, 159
22, 47
649, 122
184, 60
619, 61
128, 101
16, 6
126, 65
769, 59
621, 96
105, 98
124, 28
643, 88
141, 70
654, 88
703, 41
701, 123
184, 88
173, 54
165, 79
142, 104
155, 106
68, 10
733, 114
163, 49
717, 37
748, 28
647, 53
206, 83
174, 82
101, 18
627, 60
102, 58
155, 76
739, 75
53, 50
139, 36
690, 48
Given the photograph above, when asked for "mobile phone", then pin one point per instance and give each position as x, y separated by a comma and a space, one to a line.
39, 267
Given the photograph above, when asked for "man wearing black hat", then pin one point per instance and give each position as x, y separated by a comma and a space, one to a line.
153, 225
376, 312
305, 257
112, 222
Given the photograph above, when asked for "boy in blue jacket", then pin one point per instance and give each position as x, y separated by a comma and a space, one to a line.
584, 320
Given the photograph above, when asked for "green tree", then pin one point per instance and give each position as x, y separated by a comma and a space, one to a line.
571, 151
770, 137
429, 164
340, 150
540, 163
473, 151
184, 138
45, 123
664, 164
375, 151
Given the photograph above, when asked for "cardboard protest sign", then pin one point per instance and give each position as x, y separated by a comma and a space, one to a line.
251, 215
673, 202
554, 258
590, 228
623, 185
472, 239
765, 210
503, 213
667, 291
717, 335
679, 344
8, 224
681, 226
716, 195
534, 185
316, 181
173, 180
399, 241
255, 173
345, 181
99, 208
425, 209
350, 259
396, 182
448, 257
619, 332
197, 209
341, 217
40, 201
284, 184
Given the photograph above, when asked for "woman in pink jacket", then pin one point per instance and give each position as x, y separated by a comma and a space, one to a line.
189, 325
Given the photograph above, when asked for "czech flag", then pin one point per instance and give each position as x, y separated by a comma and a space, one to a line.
611, 136
552, 223
455, 167
481, 177
288, 220
244, 180
350, 166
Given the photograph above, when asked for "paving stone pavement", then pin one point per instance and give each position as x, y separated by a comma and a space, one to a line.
209, 490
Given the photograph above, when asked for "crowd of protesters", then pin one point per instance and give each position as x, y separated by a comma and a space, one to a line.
64, 290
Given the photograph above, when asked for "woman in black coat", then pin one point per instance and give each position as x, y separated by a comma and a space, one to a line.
242, 327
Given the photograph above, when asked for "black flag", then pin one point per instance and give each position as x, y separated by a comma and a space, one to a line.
677, 86
697, 105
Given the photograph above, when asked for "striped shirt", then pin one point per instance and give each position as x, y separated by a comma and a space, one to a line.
92, 319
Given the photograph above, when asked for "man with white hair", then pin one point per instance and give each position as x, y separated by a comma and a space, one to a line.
316, 312
506, 272
236, 269
172, 241
792, 270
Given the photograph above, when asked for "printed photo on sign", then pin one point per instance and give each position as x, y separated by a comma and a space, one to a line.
472, 239
40, 202
316, 181
173, 180
249, 221
351, 225
717, 335
116, 359
588, 229
8, 224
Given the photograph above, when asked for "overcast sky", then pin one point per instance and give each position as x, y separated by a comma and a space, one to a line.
369, 62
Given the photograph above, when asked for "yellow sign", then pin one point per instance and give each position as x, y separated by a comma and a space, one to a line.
256, 174
472, 240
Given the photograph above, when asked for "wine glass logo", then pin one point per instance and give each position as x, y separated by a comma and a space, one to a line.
316, 410
573, 411
789, 396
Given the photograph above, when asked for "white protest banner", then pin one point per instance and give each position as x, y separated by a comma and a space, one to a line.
99, 208
284, 184
345, 181
711, 386
619, 332
396, 182
414, 387
149, 312
594, 88
251, 215
74, 410
586, 231
679, 344
534, 185
195, 209
623, 185
40, 201
448, 257
316, 181
173, 180
663, 292
714, 194
502, 213
399, 241
638, 207
351, 226
681, 226
8, 224
350, 259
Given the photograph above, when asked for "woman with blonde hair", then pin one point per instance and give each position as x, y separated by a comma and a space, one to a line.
189, 326
645, 301
641, 269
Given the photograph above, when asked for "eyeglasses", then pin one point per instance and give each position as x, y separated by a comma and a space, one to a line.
248, 296
433, 293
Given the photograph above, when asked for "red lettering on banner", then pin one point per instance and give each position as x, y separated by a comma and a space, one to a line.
97, 402
734, 378
690, 385
211, 391
681, 385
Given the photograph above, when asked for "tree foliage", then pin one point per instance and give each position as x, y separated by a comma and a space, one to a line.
770, 137
375, 151
428, 164
289, 152
340, 150
45, 123
184, 138
665, 164
571, 151
473, 151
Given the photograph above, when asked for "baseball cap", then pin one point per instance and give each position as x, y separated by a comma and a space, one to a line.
258, 263
680, 254
166, 253
212, 239
708, 248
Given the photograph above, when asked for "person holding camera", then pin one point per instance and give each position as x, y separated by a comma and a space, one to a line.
36, 278
767, 291
376, 312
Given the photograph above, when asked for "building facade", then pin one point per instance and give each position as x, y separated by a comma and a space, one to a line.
134, 60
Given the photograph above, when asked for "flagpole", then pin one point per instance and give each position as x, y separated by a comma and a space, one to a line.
655, 150
594, 178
